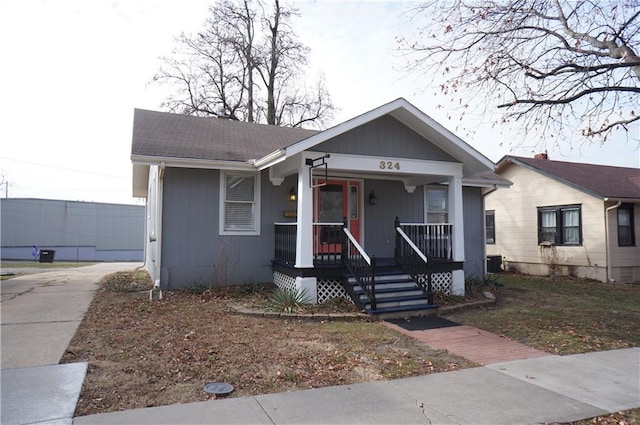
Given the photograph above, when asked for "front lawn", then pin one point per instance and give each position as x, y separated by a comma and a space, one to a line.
561, 315
148, 353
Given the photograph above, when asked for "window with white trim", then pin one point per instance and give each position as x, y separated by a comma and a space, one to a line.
436, 205
239, 203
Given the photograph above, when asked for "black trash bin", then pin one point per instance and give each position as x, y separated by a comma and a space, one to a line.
494, 263
46, 255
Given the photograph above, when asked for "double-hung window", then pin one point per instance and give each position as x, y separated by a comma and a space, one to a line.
436, 205
560, 225
626, 231
239, 206
490, 226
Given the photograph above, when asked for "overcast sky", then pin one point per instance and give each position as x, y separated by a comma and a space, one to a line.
74, 70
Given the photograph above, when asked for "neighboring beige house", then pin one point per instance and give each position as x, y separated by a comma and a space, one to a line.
566, 218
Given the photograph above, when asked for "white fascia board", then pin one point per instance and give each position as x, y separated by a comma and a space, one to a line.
391, 166
192, 163
269, 160
460, 144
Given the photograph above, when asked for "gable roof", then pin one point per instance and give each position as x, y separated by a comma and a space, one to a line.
473, 161
182, 140
602, 181
167, 135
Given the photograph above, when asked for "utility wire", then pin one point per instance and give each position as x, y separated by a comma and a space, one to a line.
63, 168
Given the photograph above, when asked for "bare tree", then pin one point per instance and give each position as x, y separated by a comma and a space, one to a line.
213, 72
550, 65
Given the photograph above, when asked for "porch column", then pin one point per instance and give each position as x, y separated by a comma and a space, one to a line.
456, 217
304, 242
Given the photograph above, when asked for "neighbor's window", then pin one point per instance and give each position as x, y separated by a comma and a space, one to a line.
239, 212
490, 226
436, 205
560, 225
626, 231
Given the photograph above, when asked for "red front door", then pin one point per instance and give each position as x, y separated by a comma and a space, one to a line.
334, 202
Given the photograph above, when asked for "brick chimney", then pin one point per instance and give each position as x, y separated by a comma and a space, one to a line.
541, 156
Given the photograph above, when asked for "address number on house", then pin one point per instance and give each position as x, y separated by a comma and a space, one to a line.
389, 165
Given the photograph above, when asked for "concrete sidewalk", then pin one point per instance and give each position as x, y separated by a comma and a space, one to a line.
540, 390
40, 314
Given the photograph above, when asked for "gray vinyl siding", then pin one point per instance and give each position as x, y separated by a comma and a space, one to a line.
388, 137
473, 211
393, 200
191, 243
77, 231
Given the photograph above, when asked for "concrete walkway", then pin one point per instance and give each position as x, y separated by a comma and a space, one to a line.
473, 344
40, 315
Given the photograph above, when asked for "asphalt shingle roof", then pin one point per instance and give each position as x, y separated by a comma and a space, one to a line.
603, 180
162, 134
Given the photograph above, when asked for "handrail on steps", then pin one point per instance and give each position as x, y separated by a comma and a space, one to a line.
357, 245
408, 261
360, 265
411, 244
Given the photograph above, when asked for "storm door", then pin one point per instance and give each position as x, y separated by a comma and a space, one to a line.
333, 203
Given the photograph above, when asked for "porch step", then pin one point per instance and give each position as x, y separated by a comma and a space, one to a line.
396, 296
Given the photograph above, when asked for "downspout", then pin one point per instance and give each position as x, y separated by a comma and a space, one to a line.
607, 237
156, 284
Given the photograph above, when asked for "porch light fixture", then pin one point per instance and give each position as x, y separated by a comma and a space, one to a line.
373, 199
293, 197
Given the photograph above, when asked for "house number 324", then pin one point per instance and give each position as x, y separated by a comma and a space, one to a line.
389, 165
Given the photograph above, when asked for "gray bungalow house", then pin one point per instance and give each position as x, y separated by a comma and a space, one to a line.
383, 208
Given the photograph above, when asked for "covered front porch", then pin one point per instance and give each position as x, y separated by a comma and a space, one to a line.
357, 231
405, 281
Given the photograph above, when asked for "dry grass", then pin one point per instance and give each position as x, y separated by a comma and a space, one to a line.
148, 353
562, 315
144, 353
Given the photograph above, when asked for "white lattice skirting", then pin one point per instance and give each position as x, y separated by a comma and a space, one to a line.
329, 289
284, 281
440, 282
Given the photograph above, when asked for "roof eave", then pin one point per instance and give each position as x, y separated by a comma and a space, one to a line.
509, 159
192, 163
616, 199
486, 183
269, 160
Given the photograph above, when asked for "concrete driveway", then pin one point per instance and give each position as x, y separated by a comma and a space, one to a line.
40, 315
41, 312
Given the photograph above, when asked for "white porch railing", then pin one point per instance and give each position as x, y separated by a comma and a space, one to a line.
433, 240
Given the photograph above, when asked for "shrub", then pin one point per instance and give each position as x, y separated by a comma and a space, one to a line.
287, 301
